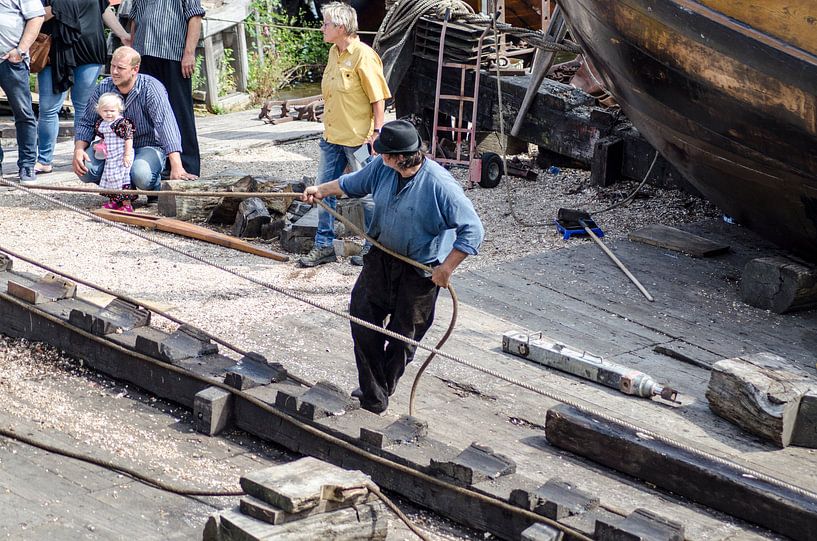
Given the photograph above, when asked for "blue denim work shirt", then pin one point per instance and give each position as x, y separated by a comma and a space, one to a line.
430, 216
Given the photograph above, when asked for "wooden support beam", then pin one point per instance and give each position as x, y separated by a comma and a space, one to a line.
760, 393
674, 469
187, 230
779, 284
608, 158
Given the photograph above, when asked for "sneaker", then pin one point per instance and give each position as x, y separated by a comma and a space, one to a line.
27, 174
357, 393
318, 256
357, 260
111, 205
43, 168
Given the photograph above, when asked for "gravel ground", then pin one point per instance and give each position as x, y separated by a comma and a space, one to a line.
518, 214
244, 313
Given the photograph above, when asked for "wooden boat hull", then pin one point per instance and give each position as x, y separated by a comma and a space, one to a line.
733, 107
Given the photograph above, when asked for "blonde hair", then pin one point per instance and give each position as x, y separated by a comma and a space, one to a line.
110, 98
341, 14
124, 50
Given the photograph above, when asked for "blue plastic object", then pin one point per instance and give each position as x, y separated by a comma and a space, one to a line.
572, 230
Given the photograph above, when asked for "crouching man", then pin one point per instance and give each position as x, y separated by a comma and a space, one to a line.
420, 212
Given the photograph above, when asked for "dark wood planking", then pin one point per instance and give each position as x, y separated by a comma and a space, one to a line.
664, 236
699, 479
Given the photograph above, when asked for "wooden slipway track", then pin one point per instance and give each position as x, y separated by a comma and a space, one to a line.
485, 459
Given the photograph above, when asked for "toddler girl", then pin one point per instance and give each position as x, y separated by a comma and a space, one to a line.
116, 148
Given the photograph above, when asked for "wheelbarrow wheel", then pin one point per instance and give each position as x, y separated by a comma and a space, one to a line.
491, 170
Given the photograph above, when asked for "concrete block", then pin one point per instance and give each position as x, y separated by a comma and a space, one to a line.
475, 464
406, 429
366, 521
212, 410
346, 248
271, 514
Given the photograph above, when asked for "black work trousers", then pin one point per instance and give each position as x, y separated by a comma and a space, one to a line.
388, 288
180, 95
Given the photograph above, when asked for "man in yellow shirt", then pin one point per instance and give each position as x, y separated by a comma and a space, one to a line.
354, 91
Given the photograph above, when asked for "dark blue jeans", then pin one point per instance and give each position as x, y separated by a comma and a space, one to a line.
14, 82
331, 164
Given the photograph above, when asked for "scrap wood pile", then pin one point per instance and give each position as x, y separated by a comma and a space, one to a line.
279, 111
288, 219
305, 499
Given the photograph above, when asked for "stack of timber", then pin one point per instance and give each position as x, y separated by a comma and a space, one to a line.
461, 40
303, 500
222, 210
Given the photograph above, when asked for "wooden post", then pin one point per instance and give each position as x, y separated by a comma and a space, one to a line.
241, 64
211, 75
259, 43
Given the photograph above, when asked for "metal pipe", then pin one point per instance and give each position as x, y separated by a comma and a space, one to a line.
585, 365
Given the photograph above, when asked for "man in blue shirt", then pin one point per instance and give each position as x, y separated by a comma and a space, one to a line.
422, 213
156, 136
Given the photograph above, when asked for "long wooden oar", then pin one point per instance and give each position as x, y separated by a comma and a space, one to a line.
185, 229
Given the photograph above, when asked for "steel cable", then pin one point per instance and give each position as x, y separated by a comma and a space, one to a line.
558, 397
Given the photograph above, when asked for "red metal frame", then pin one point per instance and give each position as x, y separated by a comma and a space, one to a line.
474, 163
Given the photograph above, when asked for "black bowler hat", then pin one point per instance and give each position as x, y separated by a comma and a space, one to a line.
397, 137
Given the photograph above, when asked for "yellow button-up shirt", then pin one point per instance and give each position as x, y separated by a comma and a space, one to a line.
352, 82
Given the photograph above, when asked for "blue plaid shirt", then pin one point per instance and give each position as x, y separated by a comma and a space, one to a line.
426, 219
147, 106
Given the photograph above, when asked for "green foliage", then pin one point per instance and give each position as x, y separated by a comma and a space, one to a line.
197, 78
226, 74
289, 54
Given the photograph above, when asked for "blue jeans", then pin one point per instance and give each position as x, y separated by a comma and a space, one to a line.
14, 82
333, 161
145, 174
48, 125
